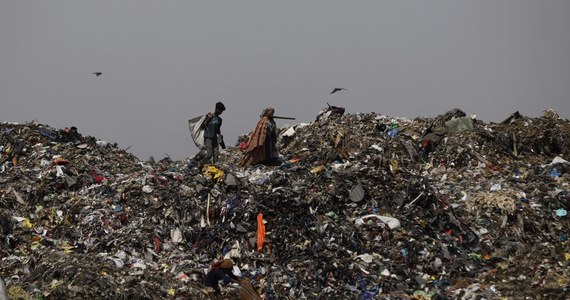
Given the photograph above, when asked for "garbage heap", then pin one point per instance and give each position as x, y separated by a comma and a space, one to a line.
362, 206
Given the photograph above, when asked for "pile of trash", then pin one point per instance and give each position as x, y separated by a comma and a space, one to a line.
362, 206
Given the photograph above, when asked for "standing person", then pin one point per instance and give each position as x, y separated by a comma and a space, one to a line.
220, 270
262, 143
212, 133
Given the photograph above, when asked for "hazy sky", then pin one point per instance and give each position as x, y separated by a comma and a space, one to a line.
164, 62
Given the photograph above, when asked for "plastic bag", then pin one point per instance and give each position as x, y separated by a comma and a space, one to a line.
197, 131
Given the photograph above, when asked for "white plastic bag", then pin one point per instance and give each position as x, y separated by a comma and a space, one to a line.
393, 223
196, 131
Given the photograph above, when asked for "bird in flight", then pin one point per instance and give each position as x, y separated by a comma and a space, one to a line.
97, 74
337, 90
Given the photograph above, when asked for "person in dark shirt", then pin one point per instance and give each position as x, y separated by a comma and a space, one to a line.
212, 134
220, 271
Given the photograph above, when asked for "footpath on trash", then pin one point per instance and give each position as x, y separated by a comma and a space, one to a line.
363, 206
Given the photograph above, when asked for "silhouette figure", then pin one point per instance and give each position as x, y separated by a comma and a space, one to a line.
337, 90
97, 74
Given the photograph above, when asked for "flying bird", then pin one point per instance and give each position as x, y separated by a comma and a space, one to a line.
97, 74
337, 90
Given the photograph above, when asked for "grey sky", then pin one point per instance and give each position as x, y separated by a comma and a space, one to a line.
164, 62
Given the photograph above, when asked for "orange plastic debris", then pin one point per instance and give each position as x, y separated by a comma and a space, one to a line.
260, 232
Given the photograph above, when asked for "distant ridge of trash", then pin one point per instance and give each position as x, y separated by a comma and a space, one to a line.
362, 206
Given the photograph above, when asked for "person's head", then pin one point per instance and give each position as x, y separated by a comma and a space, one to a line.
227, 264
223, 264
268, 112
220, 107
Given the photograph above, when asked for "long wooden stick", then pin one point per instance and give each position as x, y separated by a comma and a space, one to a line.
208, 209
284, 118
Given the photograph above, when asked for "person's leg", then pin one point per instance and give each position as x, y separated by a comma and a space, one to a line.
217, 293
215, 151
200, 155
209, 150
213, 296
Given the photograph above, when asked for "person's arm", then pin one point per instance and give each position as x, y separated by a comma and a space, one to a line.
207, 120
233, 276
218, 129
228, 276
213, 277
273, 131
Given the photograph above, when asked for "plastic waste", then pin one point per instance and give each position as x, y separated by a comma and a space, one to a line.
176, 235
260, 232
214, 173
496, 187
392, 223
197, 131
393, 132
357, 193
317, 170
554, 173
366, 257
459, 124
259, 178
320, 243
